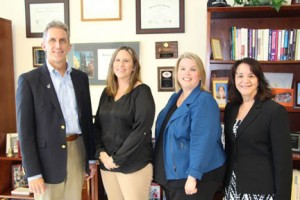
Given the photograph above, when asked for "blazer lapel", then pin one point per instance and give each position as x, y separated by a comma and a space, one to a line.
47, 84
250, 117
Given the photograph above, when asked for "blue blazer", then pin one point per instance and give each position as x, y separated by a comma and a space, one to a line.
41, 123
192, 137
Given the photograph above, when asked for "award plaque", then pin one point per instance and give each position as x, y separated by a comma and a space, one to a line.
166, 49
166, 79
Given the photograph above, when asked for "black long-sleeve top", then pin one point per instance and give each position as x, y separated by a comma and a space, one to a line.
123, 128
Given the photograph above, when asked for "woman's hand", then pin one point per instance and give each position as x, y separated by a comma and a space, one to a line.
107, 161
190, 186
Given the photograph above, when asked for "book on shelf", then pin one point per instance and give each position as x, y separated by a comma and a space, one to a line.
21, 191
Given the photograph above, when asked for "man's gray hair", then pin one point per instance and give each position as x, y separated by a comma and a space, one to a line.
56, 24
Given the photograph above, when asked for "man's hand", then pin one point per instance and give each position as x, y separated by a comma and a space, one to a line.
93, 169
37, 186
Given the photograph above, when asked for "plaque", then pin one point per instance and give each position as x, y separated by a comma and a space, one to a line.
166, 79
166, 49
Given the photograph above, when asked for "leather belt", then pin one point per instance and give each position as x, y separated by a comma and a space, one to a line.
72, 137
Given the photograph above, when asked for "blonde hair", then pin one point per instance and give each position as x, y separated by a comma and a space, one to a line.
112, 80
199, 65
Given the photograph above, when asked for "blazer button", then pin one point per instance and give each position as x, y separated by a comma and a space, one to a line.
62, 127
63, 146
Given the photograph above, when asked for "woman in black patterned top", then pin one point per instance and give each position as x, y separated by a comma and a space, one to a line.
123, 130
257, 140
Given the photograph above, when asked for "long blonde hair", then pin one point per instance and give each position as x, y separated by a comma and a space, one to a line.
112, 80
199, 65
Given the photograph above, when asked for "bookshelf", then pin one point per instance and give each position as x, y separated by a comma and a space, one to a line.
219, 23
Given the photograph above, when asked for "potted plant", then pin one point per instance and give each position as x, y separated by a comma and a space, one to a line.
276, 4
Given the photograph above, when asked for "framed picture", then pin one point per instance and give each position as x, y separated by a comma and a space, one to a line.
295, 1
12, 142
220, 92
94, 58
40, 13
38, 56
155, 192
154, 16
216, 49
284, 96
95, 10
297, 95
18, 176
166, 79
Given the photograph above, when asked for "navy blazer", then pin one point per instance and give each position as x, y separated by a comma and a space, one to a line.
261, 152
41, 125
192, 137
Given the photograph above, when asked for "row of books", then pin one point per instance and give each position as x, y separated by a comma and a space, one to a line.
265, 44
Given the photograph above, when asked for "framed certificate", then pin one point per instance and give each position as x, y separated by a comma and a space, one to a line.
164, 16
40, 13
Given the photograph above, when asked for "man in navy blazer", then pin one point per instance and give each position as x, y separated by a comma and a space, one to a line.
54, 119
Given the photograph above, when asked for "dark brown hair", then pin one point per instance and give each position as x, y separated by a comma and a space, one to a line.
264, 91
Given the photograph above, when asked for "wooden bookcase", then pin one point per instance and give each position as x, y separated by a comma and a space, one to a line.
219, 22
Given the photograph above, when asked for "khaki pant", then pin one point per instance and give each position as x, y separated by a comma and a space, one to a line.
71, 188
133, 186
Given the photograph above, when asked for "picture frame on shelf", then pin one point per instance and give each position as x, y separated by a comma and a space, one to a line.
105, 10
159, 17
216, 49
284, 96
297, 94
166, 79
295, 2
155, 192
12, 141
38, 56
18, 176
39, 13
220, 91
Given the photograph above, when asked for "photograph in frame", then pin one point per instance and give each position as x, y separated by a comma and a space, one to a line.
39, 13
220, 92
166, 79
284, 96
94, 58
154, 16
12, 142
295, 2
38, 56
155, 192
297, 94
18, 176
216, 49
104, 10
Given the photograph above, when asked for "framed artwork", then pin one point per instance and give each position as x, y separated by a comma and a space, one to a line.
216, 49
155, 192
40, 13
154, 16
104, 10
284, 96
38, 56
166, 79
94, 58
297, 95
12, 142
220, 92
18, 176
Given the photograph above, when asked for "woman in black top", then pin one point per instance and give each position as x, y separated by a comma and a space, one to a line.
123, 130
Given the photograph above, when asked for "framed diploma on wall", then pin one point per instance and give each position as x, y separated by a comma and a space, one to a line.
164, 16
39, 13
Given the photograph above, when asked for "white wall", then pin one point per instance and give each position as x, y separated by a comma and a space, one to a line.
194, 39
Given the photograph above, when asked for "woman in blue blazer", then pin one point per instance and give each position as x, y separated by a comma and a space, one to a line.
189, 157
